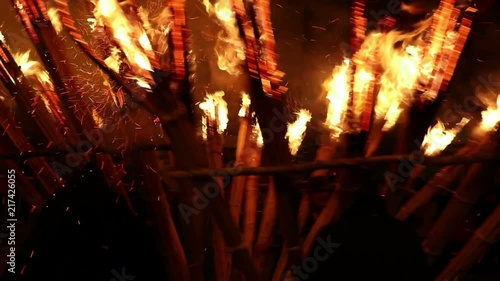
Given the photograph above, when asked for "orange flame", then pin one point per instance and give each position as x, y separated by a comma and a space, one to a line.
110, 13
438, 137
215, 109
338, 94
55, 20
490, 117
245, 105
229, 47
296, 130
257, 134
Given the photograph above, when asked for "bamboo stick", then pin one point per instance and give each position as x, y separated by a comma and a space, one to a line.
251, 198
152, 192
189, 154
267, 224
304, 211
419, 169
325, 152
467, 194
214, 147
342, 197
279, 272
441, 180
484, 237
238, 182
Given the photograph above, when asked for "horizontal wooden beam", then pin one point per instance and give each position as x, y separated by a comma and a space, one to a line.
405, 160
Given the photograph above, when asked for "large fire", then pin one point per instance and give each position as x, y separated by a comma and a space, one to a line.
229, 47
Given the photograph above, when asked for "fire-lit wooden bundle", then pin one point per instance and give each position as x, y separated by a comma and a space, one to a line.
145, 60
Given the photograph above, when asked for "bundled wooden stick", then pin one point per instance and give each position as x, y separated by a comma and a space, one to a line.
28, 191
441, 180
477, 246
464, 198
43, 171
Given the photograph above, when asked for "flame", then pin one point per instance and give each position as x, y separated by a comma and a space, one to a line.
157, 29
204, 128
33, 69
229, 47
110, 13
114, 60
92, 23
438, 137
245, 104
397, 83
257, 134
55, 20
2, 38
338, 94
490, 117
41, 81
297, 129
215, 109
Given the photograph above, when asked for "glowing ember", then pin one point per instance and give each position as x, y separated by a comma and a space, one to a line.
491, 116
2, 38
99, 121
438, 137
215, 109
229, 47
55, 19
296, 130
245, 104
338, 93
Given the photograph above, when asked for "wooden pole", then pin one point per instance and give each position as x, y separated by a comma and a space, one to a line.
445, 160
